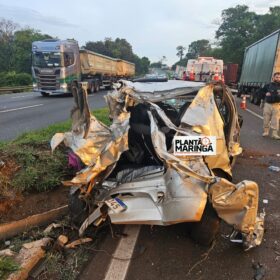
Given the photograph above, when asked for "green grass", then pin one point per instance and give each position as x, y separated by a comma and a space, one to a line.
40, 170
7, 266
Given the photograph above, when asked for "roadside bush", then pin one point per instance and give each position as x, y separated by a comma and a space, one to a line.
15, 79
23, 79
34, 168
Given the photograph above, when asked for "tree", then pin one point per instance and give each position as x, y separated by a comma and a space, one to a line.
7, 29
180, 51
267, 23
22, 48
182, 62
98, 46
119, 48
237, 31
15, 46
141, 65
198, 48
156, 64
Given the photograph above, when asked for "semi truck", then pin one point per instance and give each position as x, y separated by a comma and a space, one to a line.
230, 74
204, 69
58, 64
261, 61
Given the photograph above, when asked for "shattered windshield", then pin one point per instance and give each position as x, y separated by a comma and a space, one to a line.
46, 59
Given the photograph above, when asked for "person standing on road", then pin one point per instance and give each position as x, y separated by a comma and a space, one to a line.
270, 102
184, 76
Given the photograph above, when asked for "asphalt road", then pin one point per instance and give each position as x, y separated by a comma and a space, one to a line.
27, 111
169, 253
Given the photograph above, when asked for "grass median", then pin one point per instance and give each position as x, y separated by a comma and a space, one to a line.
29, 165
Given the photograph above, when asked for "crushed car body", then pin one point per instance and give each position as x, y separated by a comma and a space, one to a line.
131, 170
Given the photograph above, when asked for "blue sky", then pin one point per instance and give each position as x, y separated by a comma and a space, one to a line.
154, 28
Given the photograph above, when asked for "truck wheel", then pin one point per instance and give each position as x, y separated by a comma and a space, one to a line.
205, 231
78, 209
251, 98
96, 87
45, 94
91, 88
257, 100
74, 90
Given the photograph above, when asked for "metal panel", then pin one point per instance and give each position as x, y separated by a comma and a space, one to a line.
259, 60
230, 73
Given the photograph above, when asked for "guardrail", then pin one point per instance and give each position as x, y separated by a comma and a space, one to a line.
14, 89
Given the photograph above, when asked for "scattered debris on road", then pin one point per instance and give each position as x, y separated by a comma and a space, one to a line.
8, 230
77, 242
30, 254
62, 240
274, 168
259, 271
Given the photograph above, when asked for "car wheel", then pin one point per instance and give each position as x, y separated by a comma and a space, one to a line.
205, 231
78, 209
45, 94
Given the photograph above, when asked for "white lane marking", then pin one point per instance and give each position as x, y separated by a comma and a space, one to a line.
20, 108
118, 268
255, 114
13, 97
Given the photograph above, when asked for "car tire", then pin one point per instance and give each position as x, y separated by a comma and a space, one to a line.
78, 209
205, 231
45, 94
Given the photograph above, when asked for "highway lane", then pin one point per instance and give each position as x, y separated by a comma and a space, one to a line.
27, 111
169, 253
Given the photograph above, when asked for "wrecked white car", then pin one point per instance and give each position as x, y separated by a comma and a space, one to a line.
131, 173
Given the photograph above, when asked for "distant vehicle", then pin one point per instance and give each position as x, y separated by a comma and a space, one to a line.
179, 71
151, 78
204, 69
230, 74
261, 61
58, 64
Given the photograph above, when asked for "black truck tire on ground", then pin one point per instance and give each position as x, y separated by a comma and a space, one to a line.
77, 208
45, 94
91, 87
205, 231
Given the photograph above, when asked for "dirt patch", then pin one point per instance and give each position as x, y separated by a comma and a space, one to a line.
248, 153
32, 204
30, 181
8, 196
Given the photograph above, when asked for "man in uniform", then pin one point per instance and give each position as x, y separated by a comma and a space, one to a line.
270, 102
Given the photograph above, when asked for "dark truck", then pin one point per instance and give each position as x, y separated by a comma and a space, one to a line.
261, 61
230, 74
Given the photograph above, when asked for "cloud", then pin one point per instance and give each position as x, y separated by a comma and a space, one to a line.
153, 27
29, 16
